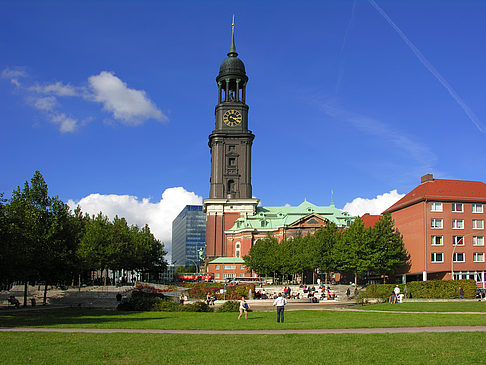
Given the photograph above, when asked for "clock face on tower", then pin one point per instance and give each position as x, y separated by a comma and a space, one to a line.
232, 118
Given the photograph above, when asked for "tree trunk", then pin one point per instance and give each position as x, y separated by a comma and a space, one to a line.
25, 292
105, 272
355, 280
45, 294
79, 282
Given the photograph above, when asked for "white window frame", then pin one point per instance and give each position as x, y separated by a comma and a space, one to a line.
478, 256
456, 239
436, 239
454, 208
434, 257
477, 207
229, 275
458, 224
242, 267
434, 223
216, 267
478, 240
456, 256
475, 224
435, 206
229, 267
216, 276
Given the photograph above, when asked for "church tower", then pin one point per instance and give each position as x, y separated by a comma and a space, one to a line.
230, 193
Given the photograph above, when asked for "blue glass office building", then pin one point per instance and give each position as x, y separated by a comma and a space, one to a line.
188, 235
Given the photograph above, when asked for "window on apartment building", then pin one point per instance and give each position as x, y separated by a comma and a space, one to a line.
216, 267
478, 240
435, 207
478, 224
458, 223
457, 207
242, 267
477, 208
437, 241
458, 240
458, 257
478, 257
437, 257
229, 267
216, 276
230, 275
436, 223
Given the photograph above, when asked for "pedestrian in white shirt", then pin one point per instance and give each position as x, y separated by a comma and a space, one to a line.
280, 304
396, 290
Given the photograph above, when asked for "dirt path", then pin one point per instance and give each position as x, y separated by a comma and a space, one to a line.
259, 332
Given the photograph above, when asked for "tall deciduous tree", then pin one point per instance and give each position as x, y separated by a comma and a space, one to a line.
388, 251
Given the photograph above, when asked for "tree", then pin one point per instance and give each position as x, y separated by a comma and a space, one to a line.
262, 257
388, 251
323, 243
353, 250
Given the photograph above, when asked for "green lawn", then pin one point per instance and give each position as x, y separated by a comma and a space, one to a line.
429, 307
228, 321
77, 348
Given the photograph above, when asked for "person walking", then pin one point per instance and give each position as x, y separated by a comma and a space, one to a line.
461, 293
280, 304
243, 308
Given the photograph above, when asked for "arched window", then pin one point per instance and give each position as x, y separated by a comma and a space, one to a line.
237, 249
231, 186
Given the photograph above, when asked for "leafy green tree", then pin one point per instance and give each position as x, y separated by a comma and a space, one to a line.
323, 243
353, 251
388, 251
262, 257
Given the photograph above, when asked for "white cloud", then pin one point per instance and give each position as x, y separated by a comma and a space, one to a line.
57, 88
158, 215
130, 106
66, 124
360, 206
45, 103
14, 75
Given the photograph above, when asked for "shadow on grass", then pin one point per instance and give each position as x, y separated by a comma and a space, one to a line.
71, 316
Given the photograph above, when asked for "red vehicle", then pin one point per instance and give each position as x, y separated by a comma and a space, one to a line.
194, 277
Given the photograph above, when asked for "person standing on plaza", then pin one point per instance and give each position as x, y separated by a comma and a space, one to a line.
280, 304
397, 291
461, 293
243, 308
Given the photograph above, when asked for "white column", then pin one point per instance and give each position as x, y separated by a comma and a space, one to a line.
424, 276
404, 278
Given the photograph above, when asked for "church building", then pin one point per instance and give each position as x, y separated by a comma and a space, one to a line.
234, 219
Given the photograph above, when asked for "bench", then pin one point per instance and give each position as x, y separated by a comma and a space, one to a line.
14, 301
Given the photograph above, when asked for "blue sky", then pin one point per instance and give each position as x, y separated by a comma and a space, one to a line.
116, 98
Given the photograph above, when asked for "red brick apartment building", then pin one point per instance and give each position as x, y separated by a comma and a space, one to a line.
442, 223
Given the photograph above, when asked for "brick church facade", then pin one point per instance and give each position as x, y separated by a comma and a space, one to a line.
234, 219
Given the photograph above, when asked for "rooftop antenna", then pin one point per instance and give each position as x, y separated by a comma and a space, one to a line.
332, 195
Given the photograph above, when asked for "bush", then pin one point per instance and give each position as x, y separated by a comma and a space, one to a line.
139, 303
229, 306
168, 306
201, 290
197, 307
432, 289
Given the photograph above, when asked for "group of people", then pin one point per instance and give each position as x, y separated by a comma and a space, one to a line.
396, 296
279, 302
210, 299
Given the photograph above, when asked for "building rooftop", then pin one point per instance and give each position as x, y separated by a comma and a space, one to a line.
270, 218
370, 220
227, 260
442, 190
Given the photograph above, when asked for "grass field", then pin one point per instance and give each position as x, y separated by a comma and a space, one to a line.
429, 307
77, 348
87, 318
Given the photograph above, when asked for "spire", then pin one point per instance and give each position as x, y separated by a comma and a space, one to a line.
232, 51
332, 198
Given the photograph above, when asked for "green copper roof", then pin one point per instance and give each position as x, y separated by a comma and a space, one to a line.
227, 260
270, 218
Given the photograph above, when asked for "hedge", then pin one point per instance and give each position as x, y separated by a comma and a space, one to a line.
432, 289
200, 291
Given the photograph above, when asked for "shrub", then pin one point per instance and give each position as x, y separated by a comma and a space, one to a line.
197, 307
438, 289
229, 306
139, 303
168, 306
201, 290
